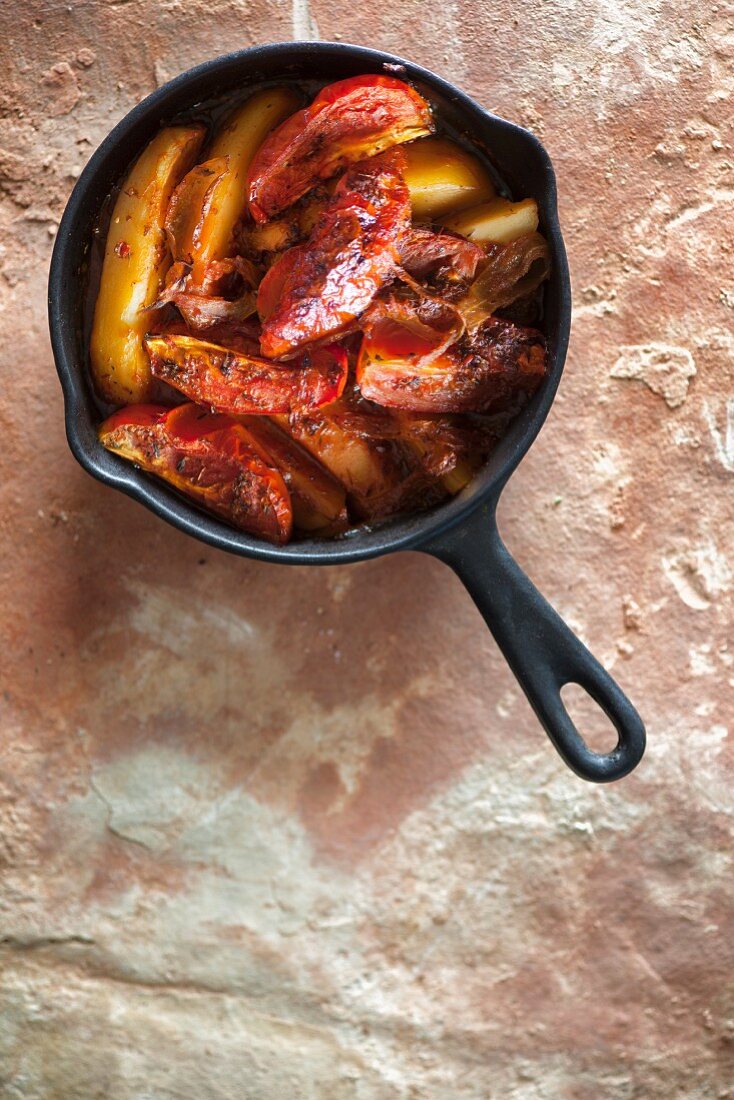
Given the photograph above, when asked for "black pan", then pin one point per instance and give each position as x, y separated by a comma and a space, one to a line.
541, 650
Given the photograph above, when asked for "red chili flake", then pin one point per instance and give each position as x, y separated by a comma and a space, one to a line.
122, 248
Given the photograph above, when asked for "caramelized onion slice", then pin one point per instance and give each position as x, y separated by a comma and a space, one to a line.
445, 260
225, 293
512, 271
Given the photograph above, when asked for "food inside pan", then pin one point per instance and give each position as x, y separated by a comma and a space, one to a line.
316, 314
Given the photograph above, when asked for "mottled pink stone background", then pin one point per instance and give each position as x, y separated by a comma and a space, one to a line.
275, 833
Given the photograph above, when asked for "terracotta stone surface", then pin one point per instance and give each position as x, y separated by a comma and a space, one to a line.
271, 833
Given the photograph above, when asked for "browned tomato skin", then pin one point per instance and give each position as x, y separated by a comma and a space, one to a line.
317, 290
207, 457
500, 364
347, 122
229, 381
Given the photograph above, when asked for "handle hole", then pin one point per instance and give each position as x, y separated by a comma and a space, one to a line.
590, 720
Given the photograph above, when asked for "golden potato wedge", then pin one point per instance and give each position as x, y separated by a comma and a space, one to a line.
497, 222
191, 205
442, 177
318, 498
294, 226
366, 468
220, 205
458, 478
135, 263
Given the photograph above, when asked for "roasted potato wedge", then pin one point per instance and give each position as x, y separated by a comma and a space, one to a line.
347, 122
497, 222
231, 382
319, 499
484, 373
443, 177
316, 290
289, 229
207, 457
369, 469
210, 201
135, 264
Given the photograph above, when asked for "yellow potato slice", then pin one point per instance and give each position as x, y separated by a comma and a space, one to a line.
442, 177
189, 207
222, 204
280, 233
496, 222
135, 263
361, 467
458, 478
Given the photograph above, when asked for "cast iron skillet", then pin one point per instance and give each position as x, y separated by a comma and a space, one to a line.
541, 650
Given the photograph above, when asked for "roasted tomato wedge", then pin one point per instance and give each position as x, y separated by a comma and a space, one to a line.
486, 372
412, 325
207, 457
233, 382
316, 290
347, 122
319, 499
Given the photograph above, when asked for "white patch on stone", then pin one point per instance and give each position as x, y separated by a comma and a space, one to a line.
167, 622
684, 435
161, 72
723, 436
699, 574
304, 26
130, 787
700, 658
664, 368
607, 460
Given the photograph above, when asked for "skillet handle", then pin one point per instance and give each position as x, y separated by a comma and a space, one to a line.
541, 650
